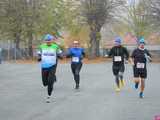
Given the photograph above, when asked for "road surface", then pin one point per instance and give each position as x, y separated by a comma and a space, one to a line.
22, 96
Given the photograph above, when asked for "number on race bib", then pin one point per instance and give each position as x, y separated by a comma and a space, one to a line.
140, 65
75, 59
117, 58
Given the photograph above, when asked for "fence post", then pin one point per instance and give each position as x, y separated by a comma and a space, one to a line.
0, 55
8, 57
15, 54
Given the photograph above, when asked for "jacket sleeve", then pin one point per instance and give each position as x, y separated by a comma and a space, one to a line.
69, 53
148, 53
110, 52
133, 54
59, 53
148, 56
83, 53
39, 54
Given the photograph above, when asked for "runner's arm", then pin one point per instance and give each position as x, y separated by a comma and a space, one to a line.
148, 53
83, 53
110, 52
69, 53
149, 56
60, 54
132, 58
39, 54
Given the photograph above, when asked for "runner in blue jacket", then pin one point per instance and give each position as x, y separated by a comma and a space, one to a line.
77, 54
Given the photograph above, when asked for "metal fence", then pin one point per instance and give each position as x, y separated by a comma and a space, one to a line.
9, 52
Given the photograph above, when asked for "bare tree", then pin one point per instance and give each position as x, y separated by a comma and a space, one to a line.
31, 18
98, 13
19, 21
138, 17
154, 6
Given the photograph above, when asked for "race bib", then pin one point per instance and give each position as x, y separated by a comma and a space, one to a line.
49, 59
117, 58
49, 56
140, 65
75, 59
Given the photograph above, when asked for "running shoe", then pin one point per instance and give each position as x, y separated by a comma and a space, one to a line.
118, 89
48, 99
136, 85
77, 87
141, 95
122, 83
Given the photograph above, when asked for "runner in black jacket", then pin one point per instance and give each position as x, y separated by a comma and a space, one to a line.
140, 56
119, 54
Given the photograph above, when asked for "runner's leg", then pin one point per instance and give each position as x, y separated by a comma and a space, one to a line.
136, 77
121, 75
51, 79
143, 77
77, 75
45, 73
115, 72
73, 68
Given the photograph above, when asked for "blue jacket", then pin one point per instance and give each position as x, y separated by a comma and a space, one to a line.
76, 54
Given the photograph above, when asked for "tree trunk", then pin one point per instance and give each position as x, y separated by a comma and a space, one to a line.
17, 45
98, 48
17, 41
93, 45
30, 43
98, 38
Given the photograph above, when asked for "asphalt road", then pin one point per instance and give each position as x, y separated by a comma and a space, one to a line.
22, 96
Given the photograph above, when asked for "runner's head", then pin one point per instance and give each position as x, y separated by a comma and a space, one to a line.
49, 39
118, 41
76, 44
141, 42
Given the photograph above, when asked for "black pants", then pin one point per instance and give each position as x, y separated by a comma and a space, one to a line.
48, 78
76, 67
118, 73
55, 71
117, 69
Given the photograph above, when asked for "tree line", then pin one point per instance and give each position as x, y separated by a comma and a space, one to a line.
25, 21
